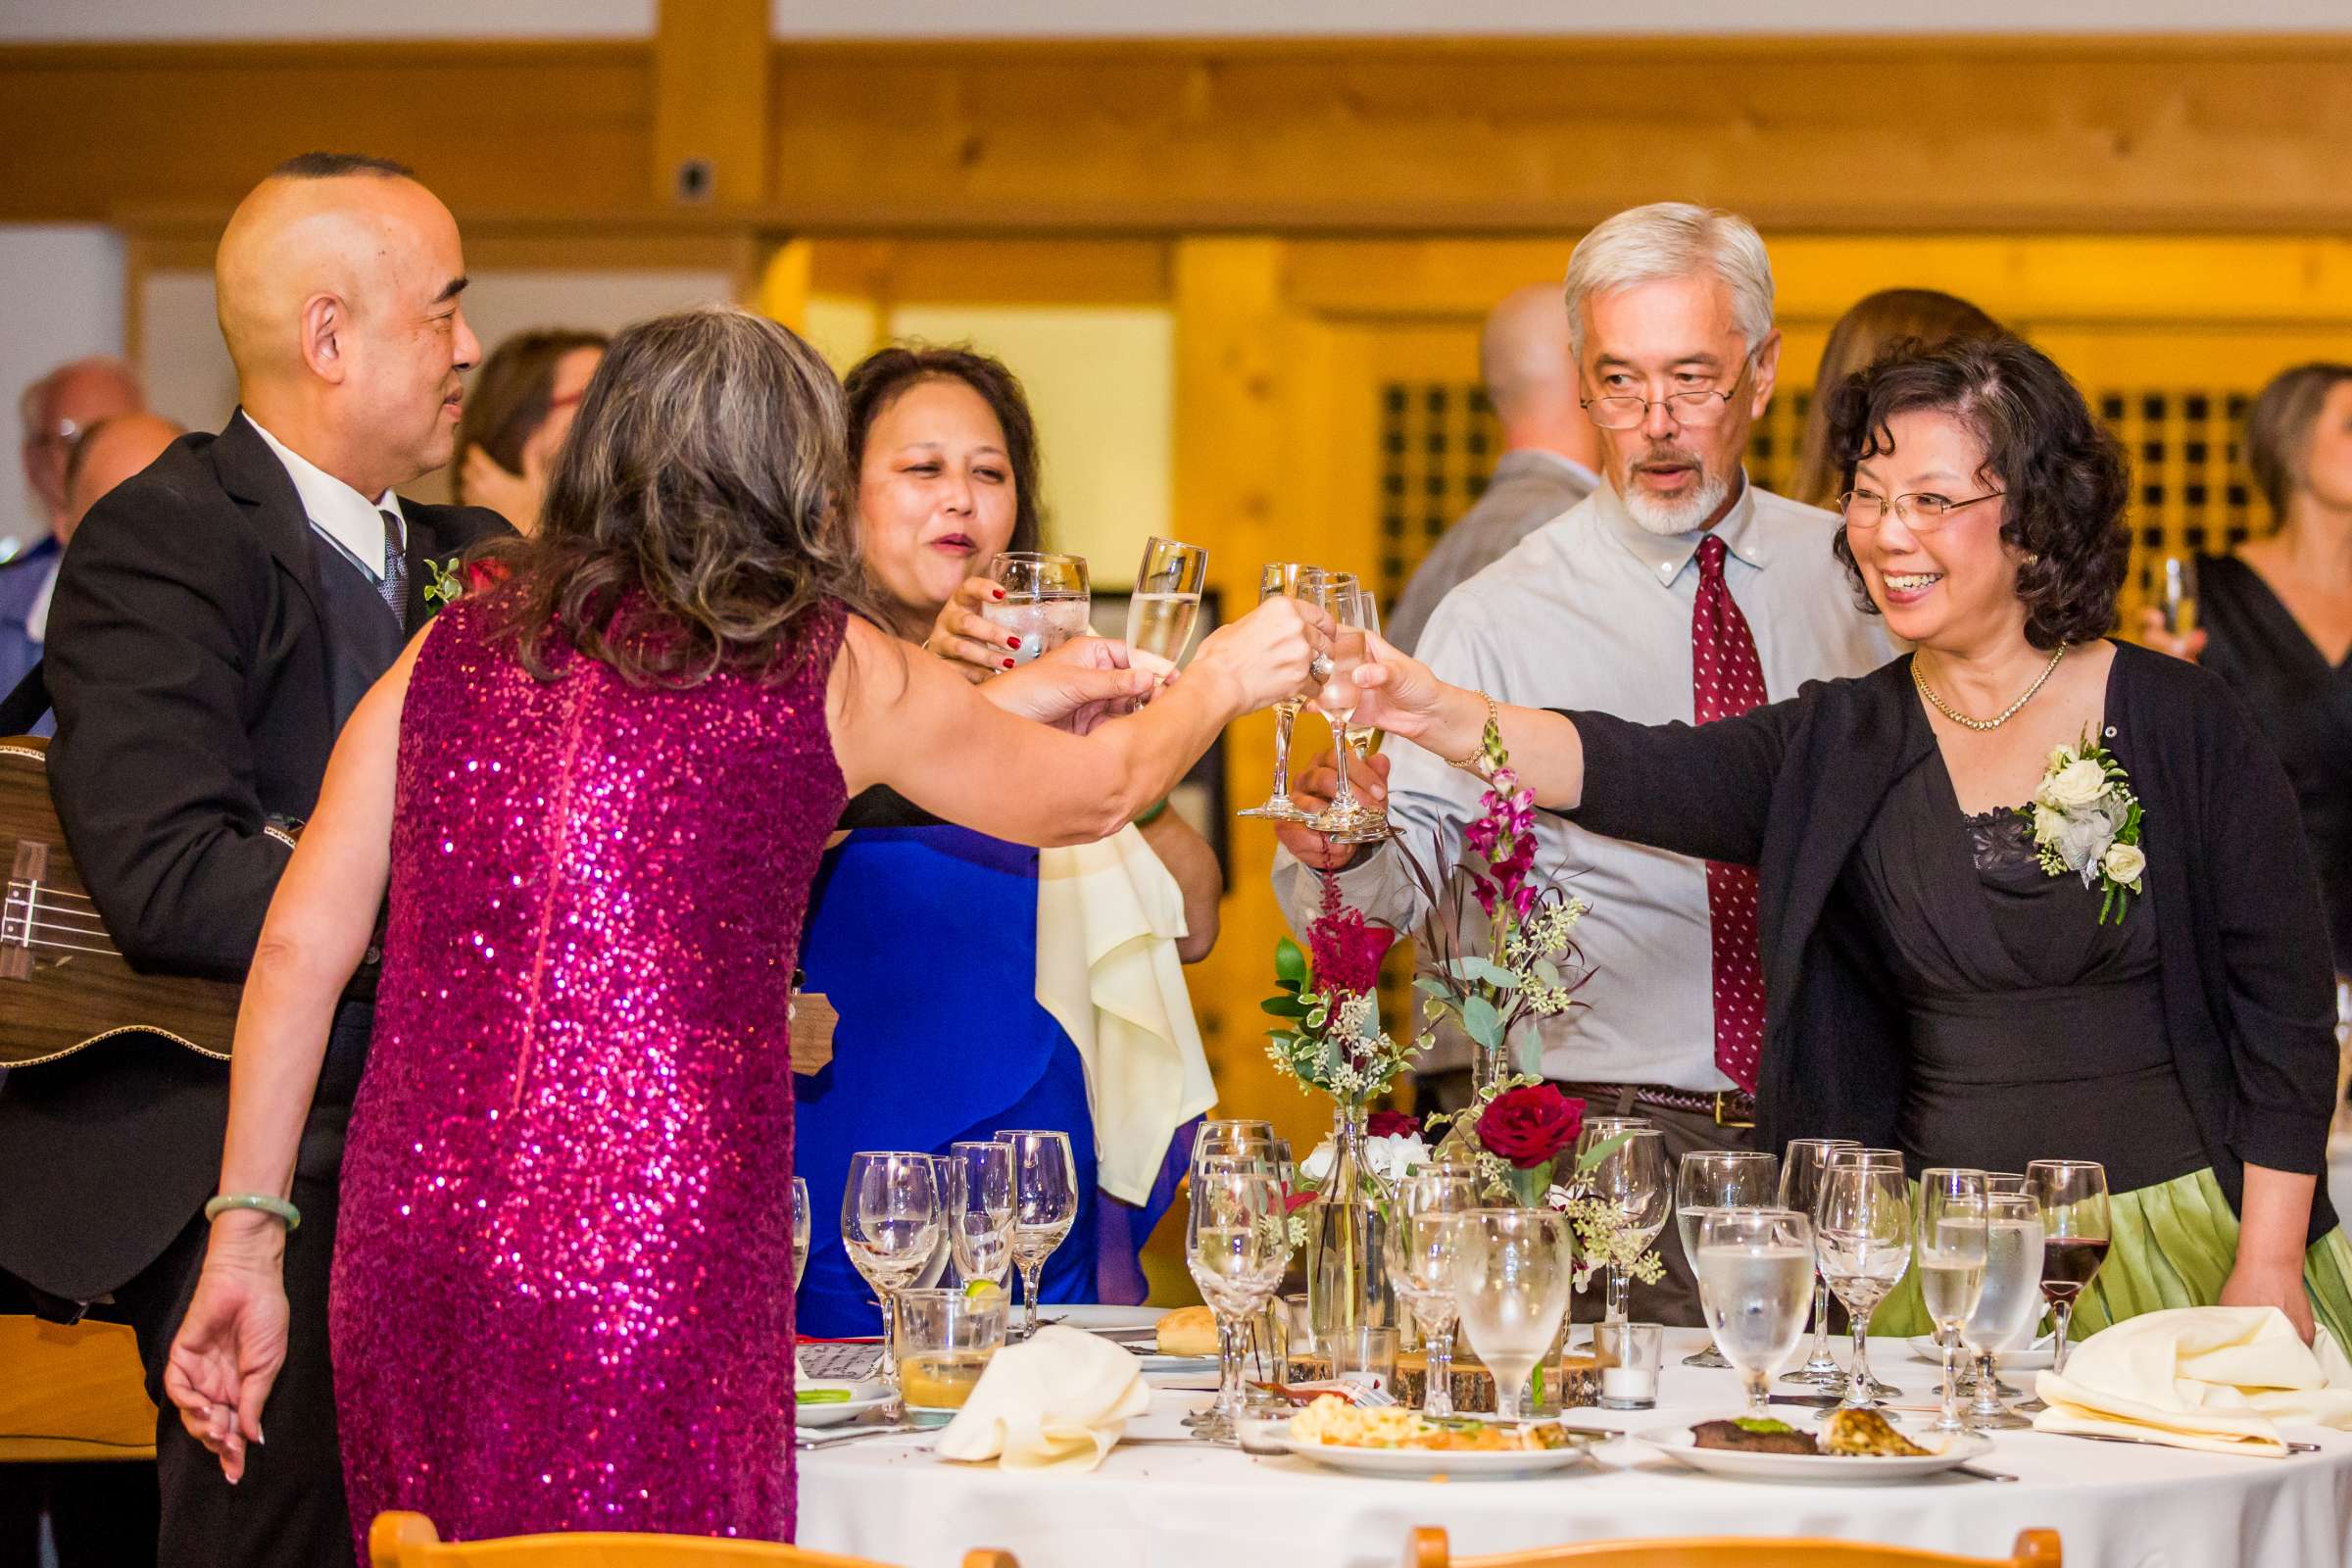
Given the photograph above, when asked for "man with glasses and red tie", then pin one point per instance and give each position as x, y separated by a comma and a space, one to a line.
1676, 591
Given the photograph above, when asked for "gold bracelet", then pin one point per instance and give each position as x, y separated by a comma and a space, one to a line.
1476, 762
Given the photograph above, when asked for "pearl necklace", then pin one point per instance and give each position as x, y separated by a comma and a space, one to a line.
1998, 720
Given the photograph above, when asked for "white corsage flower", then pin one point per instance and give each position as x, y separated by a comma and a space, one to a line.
2074, 785
1315, 1169
2087, 823
2124, 863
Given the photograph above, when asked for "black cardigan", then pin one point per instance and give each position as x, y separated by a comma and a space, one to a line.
1791, 788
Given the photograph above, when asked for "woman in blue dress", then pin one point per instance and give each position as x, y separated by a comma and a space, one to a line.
923, 935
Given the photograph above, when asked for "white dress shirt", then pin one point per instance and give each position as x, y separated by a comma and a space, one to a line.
1594, 612
349, 521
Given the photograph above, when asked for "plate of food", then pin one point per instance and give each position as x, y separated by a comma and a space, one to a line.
2034, 1357
1852, 1445
1392, 1440
819, 1404
1123, 1323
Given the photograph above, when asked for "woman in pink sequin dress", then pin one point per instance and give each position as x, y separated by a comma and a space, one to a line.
563, 1284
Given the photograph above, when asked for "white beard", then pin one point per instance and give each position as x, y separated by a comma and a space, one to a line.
1682, 514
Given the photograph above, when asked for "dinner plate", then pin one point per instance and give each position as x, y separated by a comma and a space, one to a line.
1097, 1318
2034, 1357
1422, 1463
835, 1413
1677, 1443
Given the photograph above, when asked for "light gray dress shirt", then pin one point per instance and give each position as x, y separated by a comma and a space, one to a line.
1530, 487
1594, 612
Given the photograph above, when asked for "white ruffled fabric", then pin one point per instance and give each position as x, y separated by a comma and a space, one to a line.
1057, 1402
2222, 1379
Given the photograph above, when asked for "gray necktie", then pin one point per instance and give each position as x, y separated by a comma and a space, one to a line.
394, 585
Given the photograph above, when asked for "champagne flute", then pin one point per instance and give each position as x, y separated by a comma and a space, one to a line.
1753, 1267
1862, 1236
1346, 820
1046, 601
1631, 1177
1364, 739
800, 1221
1165, 605
2072, 1193
1295, 581
2011, 1302
1953, 1246
1236, 1246
1423, 1241
980, 1210
2176, 594
890, 1224
1511, 1277
1045, 1204
1710, 1179
1800, 1184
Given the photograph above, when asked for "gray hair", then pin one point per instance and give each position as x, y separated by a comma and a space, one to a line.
1666, 240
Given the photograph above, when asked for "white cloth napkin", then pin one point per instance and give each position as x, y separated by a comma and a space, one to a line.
1107, 918
2217, 1378
1056, 1401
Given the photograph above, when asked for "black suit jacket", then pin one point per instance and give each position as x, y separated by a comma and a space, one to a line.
1792, 787
188, 660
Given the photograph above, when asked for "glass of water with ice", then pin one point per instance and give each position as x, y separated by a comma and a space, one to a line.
1047, 600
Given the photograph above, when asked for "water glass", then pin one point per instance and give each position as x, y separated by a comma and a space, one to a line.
1362, 1350
1045, 1204
1511, 1281
1165, 605
980, 1210
1753, 1265
1422, 1243
944, 1341
1297, 580
1719, 1178
890, 1226
2009, 1308
1862, 1238
1047, 600
1950, 1253
800, 1230
1800, 1184
1631, 1179
1237, 1246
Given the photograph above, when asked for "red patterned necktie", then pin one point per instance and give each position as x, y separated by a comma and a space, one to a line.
1727, 678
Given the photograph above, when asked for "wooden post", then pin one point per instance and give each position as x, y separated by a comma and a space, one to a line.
710, 103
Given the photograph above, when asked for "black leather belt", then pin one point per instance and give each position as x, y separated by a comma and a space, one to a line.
1730, 1108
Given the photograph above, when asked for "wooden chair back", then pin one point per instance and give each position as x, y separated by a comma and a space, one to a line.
408, 1540
1428, 1548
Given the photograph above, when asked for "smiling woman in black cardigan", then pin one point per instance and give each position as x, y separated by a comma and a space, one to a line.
1929, 985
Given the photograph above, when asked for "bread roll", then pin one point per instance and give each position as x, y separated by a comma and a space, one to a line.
1189, 1331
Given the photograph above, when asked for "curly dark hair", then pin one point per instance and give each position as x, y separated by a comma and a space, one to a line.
2063, 475
878, 380
695, 512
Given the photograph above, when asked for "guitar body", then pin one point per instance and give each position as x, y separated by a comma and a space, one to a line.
63, 985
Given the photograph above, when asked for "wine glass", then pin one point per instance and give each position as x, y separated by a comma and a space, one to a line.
2010, 1305
980, 1210
1800, 1184
1511, 1276
1165, 605
1631, 1179
1237, 1246
1423, 1240
890, 1224
1752, 1268
1710, 1179
1346, 820
1364, 739
1047, 600
1862, 1238
1597, 1130
800, 1230
1045, 1204
1231, 1136
1297, 580
2176, 594
1951, 1251
2072, 1193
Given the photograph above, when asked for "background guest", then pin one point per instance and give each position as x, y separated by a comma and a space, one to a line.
518, 411
1923, 315
57, 411
1549, 452
944, 451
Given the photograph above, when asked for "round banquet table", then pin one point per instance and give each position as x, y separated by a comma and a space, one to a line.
1166, 1505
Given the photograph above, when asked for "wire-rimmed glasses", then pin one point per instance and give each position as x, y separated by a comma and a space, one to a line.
890, 1224
1921, 510
1045, 1204
1295, 581
1692, 407
1709, 1179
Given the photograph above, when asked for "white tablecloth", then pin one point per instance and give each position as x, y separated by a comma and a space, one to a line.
1179, 1508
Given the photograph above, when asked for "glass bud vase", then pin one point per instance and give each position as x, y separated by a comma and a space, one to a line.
1346, 1257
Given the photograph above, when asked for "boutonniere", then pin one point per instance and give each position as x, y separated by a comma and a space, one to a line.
442, 583
2087, 822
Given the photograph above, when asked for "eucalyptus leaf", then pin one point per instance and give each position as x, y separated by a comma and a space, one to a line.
1600, 1151
1493, 973
1481, 1023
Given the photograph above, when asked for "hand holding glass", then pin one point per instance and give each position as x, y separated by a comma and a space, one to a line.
1047, 600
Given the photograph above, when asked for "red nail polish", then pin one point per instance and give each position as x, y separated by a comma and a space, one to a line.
1009, 663
999, 592
1012, 642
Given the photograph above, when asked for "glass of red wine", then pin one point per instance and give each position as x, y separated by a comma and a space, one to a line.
2072, 1195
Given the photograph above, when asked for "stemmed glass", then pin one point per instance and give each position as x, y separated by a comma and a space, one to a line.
2072, 1193
1511, 1278
1165, 605
800, 1230
1862, 1238
1045, 1204
1951, 1251
1800, 1184
1364, 739
1710, 1179
1597, 1130
1297, 580
1752, 1265
980, 1210
890, 1223
1346, 820
1236, 1246
1423, 1241
2011, 1303
1631, 1177
1046, 601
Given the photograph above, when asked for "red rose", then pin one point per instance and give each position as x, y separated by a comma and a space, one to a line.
1530, 1125
1391, 1124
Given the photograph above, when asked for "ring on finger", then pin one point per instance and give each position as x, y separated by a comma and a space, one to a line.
1319, 668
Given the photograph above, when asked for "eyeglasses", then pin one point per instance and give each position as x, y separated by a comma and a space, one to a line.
1922, 512
1695, 409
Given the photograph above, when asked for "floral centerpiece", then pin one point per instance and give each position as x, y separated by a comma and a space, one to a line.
1521, 1136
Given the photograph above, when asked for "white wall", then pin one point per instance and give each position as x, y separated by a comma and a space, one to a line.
64, 288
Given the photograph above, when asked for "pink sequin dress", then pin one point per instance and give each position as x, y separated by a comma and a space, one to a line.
563, 1284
